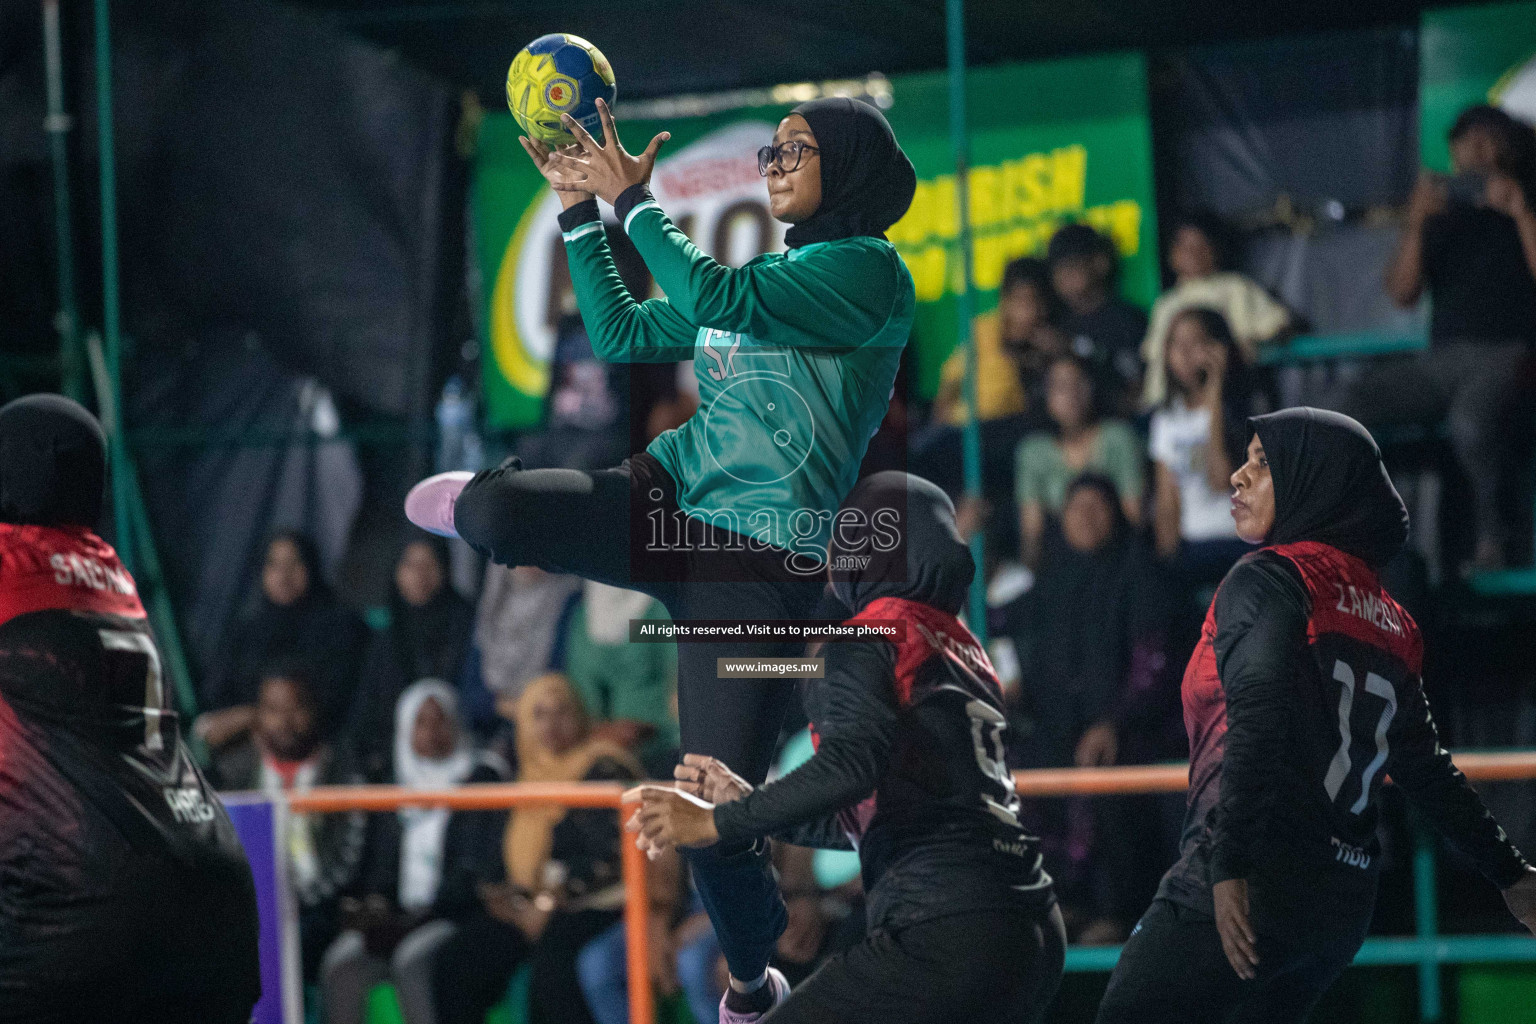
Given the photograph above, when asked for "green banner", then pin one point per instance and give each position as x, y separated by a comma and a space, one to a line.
1472, 55
1050, 143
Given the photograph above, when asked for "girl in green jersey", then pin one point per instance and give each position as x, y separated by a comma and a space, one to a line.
728, 516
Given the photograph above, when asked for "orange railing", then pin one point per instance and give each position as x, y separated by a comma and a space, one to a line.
1502, 766
523, 794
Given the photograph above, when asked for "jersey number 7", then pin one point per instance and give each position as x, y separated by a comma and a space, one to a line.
1339, 767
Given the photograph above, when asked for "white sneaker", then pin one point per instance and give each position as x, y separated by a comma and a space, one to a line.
430, 503
780, 987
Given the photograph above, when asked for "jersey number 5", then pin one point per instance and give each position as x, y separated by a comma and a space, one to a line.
1339, 768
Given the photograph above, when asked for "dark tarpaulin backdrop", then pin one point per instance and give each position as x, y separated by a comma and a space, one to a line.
282, 189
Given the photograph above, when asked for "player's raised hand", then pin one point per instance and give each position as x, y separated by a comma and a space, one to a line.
709, 779
1521, 899
1238, 940
604, 169
544, 159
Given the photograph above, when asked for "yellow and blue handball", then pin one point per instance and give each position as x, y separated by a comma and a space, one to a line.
559, 74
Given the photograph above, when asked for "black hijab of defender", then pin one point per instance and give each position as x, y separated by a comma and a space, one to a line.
53, 463
867, 182
1330, 484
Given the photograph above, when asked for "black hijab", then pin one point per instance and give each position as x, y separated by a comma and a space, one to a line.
913, 521
428, 640
53, 462
867, 182
1330, 484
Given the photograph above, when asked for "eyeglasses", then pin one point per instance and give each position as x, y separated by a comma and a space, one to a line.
786, 154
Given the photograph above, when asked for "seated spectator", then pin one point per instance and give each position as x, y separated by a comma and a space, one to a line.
1046, 462
1014, 345
423, 872
562, 884
1470, 241
1198, 258
627, 687
1091, 638
297, 617
684, 952
521, 629
1100, 326
584, 415
427, 637
285, 753
1198, 436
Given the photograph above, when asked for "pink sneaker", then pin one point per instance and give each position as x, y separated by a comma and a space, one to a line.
430, 503
780, 993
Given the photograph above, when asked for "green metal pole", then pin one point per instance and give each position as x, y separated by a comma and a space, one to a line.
971, 452
57, 125
111, 324
1426, 924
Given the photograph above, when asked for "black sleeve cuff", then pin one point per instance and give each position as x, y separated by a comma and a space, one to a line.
584, 212
629, 199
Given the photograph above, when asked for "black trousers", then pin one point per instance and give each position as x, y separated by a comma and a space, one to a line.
472, 969
1173, 971
623, 526
986, 967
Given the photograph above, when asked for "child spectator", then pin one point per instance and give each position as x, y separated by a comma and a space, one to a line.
285, 753
1198, 435
297, 617
427, 637
1046, 462
1091, 638
423, 871
627, 687
1198, 257
562, 884
1102, 327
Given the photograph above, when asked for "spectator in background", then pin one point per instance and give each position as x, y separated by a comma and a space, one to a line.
297, 618
1091, 638
1101, 327
562, 883
427, 637
685, 955
1046, 462
1014, 345
286, 753
584, 416
424, 869
1198, 436
1199, 259
1471, 242
521, 629
627, 687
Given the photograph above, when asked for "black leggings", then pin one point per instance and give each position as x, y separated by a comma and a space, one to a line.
602, 526
986, 967
1173, 971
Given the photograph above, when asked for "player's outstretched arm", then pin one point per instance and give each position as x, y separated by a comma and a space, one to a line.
833, 299
1424, 771
621, 329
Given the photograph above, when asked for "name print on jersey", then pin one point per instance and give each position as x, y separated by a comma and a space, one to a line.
76, 570
1368, 606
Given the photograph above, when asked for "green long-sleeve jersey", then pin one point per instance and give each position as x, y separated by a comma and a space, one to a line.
795, 353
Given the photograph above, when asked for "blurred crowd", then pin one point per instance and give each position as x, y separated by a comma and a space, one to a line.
1108, 436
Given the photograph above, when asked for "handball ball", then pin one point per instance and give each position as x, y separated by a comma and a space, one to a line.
559, 74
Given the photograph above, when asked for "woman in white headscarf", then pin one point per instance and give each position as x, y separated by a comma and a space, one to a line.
425, 869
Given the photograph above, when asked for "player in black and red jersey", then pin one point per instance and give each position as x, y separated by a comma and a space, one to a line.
124, 894
1303, 695
908, 770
